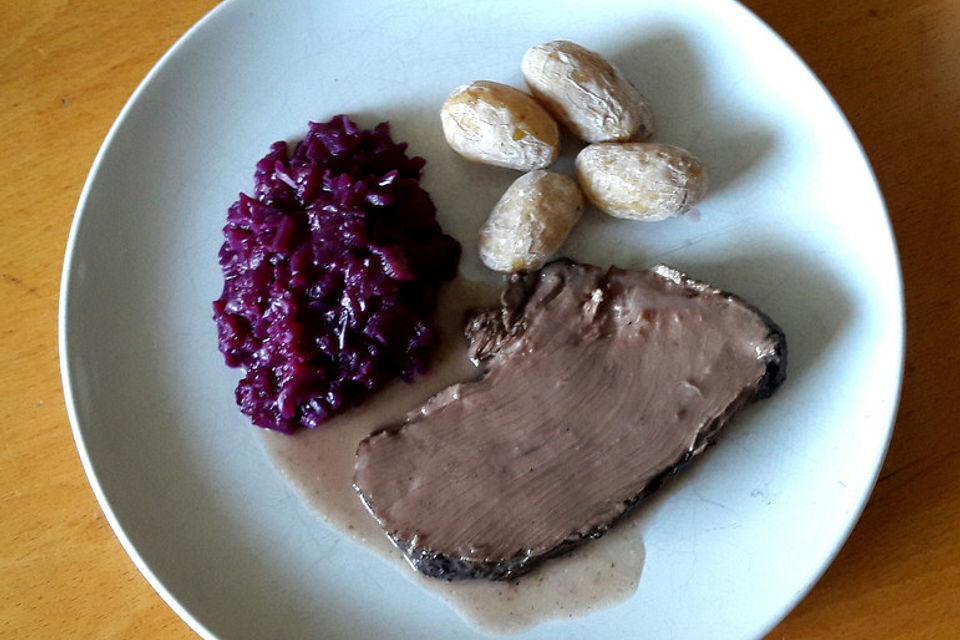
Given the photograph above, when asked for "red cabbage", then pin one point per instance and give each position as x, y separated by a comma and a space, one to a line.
331, 273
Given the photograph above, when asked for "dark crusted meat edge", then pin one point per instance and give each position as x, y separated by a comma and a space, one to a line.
504, 322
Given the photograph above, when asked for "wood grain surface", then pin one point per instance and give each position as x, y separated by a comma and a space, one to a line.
66, 69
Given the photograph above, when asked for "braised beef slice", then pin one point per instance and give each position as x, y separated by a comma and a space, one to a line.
596, 386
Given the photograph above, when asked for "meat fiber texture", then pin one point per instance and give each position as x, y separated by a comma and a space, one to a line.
596, 386
331, 271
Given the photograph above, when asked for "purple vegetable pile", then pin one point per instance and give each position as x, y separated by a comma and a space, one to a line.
331, 273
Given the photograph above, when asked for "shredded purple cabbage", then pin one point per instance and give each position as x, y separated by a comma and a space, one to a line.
331, 272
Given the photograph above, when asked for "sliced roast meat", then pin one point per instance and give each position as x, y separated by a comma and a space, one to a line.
596, 386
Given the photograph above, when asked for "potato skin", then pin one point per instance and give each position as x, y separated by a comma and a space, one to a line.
641, 180
586, 93
496, 124
531, 221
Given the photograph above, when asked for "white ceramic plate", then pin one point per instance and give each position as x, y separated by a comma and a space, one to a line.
794, 223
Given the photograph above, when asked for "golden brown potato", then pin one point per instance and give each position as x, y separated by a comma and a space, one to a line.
496, 124
531, 221
641, 180
586, 93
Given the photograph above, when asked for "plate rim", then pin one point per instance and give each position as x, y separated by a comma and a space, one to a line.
857, 512
63, 346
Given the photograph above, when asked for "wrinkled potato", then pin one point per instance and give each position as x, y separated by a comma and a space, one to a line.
496, 124
531, 221
586, 93
641, 180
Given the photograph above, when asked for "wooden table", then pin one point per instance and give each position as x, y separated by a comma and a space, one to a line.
66, 69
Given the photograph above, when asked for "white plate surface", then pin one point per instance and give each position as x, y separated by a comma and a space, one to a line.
794, 223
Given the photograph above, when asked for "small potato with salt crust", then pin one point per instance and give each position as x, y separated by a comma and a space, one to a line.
496, 124
641, 180
531, 221
586, 93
